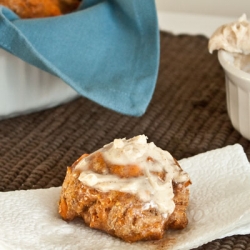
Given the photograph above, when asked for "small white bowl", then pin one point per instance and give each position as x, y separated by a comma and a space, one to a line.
238, 94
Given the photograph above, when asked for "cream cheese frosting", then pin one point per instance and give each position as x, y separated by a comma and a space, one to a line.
149, 188
233, 37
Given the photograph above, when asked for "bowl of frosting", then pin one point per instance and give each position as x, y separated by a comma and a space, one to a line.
233, 44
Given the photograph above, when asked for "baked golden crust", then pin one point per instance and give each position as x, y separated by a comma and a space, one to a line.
120, 214
40, 8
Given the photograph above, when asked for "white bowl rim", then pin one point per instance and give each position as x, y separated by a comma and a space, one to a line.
229, 67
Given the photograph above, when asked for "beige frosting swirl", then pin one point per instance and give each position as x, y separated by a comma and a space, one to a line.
149, 187
233, 37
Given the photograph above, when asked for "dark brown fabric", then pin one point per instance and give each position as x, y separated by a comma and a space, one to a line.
186, 116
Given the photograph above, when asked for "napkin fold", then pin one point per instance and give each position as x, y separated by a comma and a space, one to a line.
219, 207
107, 50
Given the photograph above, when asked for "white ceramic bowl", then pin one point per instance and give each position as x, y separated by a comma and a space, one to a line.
25, 88
238, 94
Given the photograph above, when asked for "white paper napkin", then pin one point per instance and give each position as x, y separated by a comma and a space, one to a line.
219, 207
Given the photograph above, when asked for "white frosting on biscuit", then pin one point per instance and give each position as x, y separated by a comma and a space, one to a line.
148, 187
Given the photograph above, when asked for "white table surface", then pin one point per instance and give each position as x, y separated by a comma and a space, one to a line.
193, 24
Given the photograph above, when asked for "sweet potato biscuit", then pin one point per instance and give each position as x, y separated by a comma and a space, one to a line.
124, 204
40, 8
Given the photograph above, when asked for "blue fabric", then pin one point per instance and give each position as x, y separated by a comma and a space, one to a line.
108, 51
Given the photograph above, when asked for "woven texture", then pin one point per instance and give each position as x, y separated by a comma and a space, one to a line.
186, 116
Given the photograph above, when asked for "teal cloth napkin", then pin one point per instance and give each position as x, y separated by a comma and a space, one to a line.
108, 51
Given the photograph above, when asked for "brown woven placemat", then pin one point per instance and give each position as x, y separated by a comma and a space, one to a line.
187, 116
